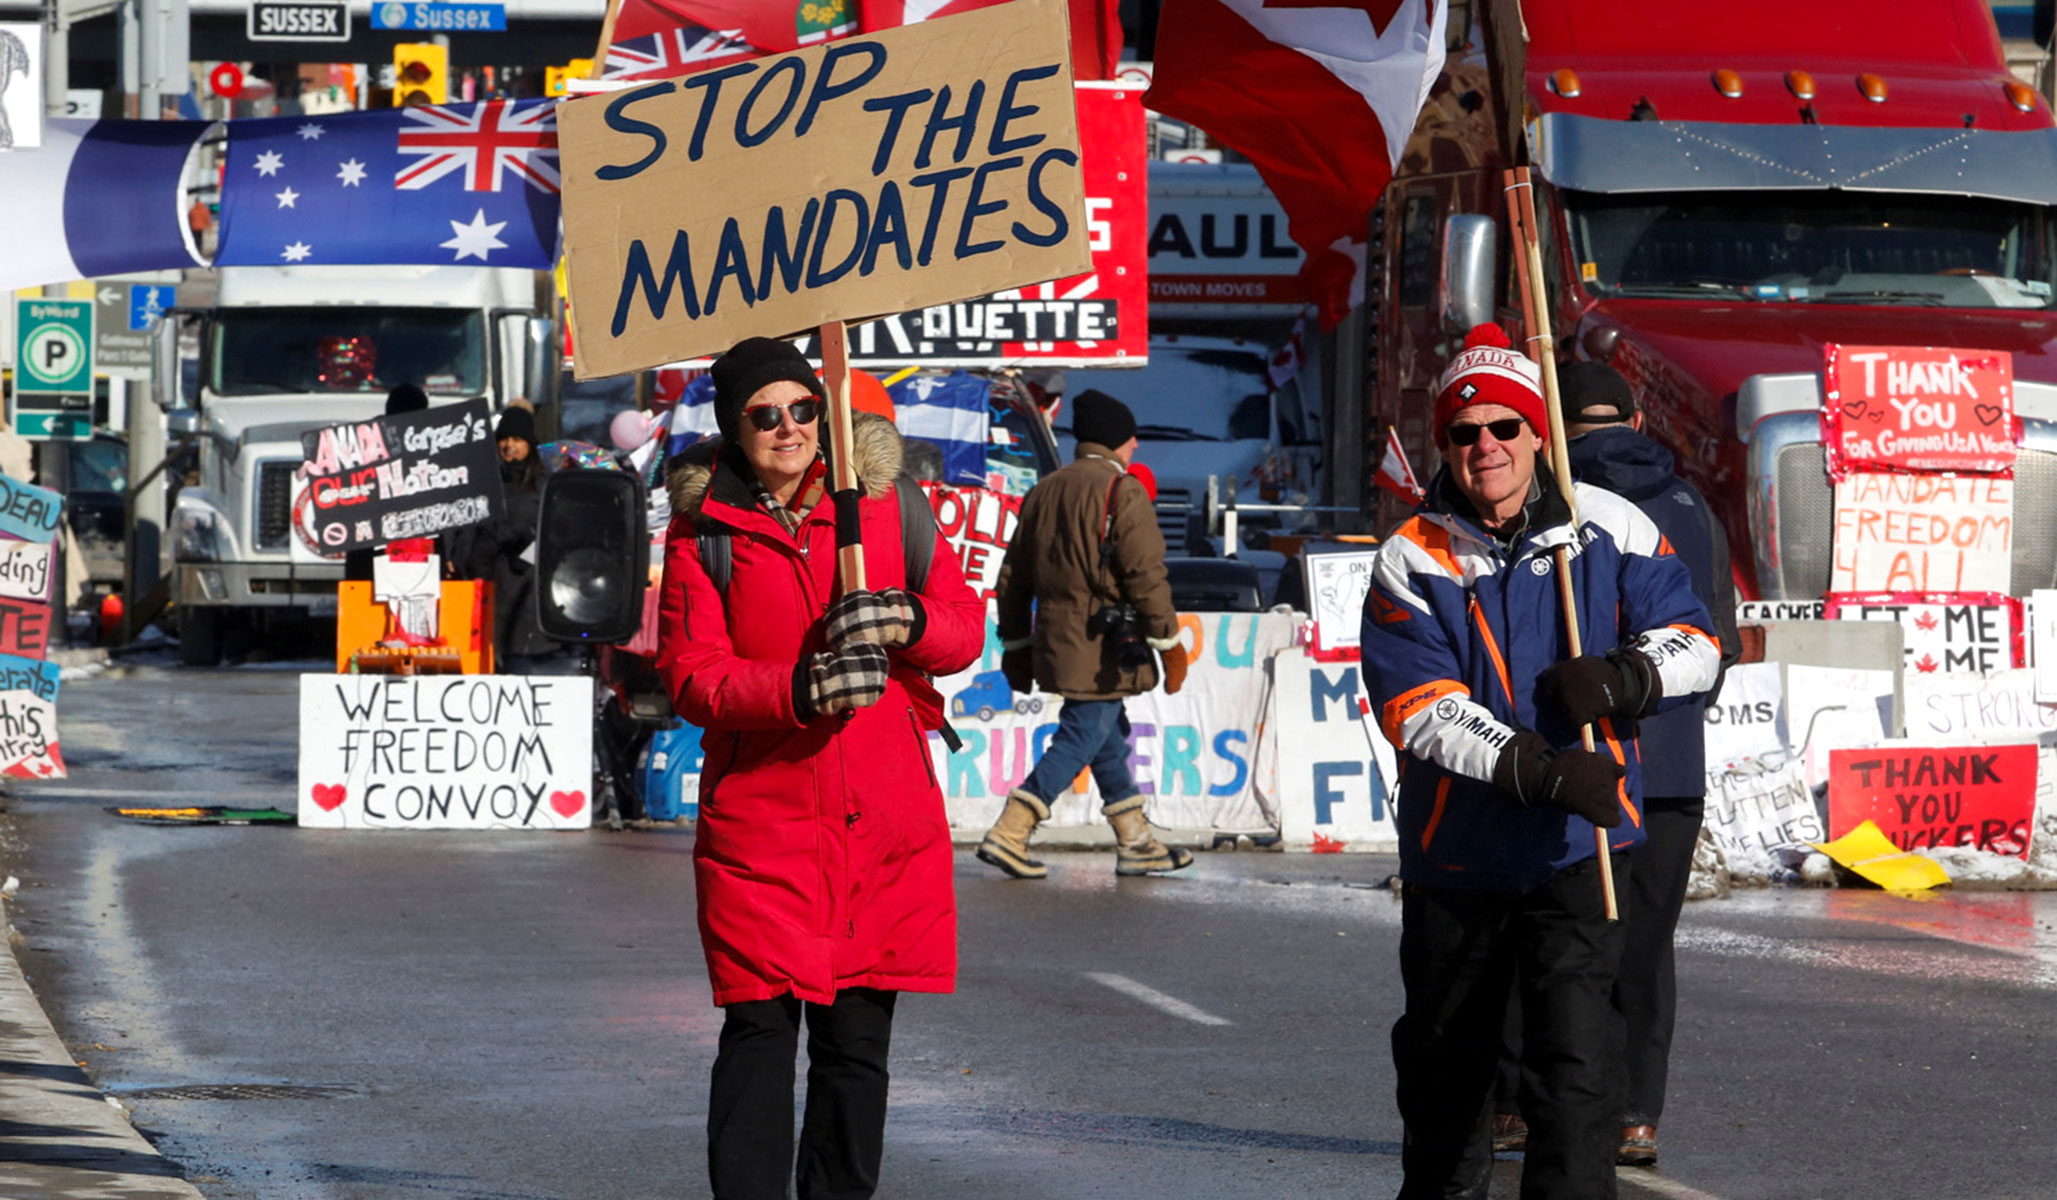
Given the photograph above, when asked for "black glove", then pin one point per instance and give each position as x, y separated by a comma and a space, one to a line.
888, 617
1584, 782
1586, 688
1019, 666
850, 678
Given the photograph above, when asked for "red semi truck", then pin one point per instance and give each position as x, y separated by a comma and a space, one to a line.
1724, 189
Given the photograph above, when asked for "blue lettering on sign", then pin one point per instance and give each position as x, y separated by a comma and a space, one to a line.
1325, 796
1321, 689
1242, 766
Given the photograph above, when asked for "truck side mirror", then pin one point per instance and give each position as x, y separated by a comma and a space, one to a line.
164, 363
540, 362
1464, 293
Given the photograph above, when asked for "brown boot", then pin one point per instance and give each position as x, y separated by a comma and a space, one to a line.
1638, 1146
1136, 850
1006, 843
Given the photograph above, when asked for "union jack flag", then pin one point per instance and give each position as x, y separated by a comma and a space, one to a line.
679, 51
481, 140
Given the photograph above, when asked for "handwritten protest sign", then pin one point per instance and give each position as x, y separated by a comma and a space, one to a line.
24, 628
1975, 633
25, 570
446, 751
1901, 408
405, 476
1924, 796
1744, 721
1336, 587
1749, 612
29, 512
979, 524
1965, 707
1754, 814
1923, 533
28, 719
922, 165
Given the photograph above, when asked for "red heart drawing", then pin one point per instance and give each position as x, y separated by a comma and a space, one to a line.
328, 797
568, 804
1854, 409
1877, 417
1988, 414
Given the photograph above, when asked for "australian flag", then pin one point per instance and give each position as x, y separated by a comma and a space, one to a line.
454, 184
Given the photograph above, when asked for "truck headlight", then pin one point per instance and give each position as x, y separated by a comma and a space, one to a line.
201, 537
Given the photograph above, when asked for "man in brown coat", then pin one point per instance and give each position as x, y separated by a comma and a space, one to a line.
1085, 572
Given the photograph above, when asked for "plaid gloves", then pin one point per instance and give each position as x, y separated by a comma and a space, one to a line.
831, 682
889, 617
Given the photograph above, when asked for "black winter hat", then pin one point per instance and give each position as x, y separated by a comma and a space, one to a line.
1593, 393
1099, 418
517, 422
406, 398
748, 366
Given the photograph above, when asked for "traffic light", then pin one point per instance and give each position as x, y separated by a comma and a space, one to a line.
421, 74
554, 77
592, 557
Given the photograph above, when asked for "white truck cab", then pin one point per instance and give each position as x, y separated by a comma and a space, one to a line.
287, 349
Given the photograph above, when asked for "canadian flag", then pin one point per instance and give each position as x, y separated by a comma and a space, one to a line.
1395, 473
1321, 96
1095, 27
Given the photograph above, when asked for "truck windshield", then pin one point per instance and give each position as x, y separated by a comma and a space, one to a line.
1186, 393
1833, 247
257, 351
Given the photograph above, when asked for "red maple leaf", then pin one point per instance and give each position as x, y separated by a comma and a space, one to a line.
1926, 663
1925, 622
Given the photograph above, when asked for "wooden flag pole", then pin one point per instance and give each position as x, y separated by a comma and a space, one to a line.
607, 24
835, 375
1521, 213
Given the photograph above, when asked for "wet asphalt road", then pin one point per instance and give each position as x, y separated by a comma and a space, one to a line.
525, 1017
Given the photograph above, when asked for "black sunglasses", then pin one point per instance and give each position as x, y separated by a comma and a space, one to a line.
765, 417
1504, 430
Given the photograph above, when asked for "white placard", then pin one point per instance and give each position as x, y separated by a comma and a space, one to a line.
446, 751
1831, 708
1746, 721
1959, 707
1923, 533
1753, 814
1336, 584
1336, 772
21, 85
2042, 642
1750, 612
1961, 637
25, 570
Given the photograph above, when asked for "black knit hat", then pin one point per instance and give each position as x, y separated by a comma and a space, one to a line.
1099, 418
1593, 393
406, 398
517, 422
748, 366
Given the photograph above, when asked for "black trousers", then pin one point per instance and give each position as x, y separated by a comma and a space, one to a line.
750, 1110
1646, 987
1462, 954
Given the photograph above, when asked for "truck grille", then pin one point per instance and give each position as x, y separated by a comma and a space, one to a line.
1806, 521
275, 503
1174, 511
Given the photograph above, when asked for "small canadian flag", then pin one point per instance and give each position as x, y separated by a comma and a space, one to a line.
1394, 473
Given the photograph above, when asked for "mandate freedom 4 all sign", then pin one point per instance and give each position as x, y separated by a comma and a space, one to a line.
406, 476
881, 174
299, 21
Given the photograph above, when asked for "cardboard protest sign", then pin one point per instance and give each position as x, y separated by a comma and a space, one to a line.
1901, 408
1923, 533
880, 174
405, 476
446, 751
1924, 796
1753, 815
28, 719
1745, 720
1975, 707
1866, 851
25, 569
1976, 633
1337, 774
24, 628
1336, 587
29, 512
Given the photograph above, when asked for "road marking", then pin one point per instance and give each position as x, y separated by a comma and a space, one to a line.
1156, 999
1650, 1181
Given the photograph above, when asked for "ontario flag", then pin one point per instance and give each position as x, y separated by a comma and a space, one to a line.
1321, 95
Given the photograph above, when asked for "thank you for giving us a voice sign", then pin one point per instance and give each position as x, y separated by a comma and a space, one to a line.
406, 476
922, 165
1900, 408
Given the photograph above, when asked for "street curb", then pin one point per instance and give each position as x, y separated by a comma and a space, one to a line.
62, 1138
82, 656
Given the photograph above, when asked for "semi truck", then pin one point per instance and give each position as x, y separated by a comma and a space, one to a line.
284, 350
1722, 191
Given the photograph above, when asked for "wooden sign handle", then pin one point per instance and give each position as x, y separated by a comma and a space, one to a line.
835, 375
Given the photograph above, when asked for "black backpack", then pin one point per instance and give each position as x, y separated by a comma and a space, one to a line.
917, 539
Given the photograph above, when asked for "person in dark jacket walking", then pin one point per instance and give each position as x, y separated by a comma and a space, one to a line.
822, 860
1608, 449
1464, 653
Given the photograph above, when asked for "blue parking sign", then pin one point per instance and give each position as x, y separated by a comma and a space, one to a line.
147, 303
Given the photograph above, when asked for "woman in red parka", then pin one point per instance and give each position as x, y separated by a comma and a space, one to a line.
822, 857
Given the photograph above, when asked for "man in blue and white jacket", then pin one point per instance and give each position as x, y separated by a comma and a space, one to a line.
1465, 653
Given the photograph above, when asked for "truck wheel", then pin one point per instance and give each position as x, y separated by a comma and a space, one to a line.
200, 637
985, 712
1035, 706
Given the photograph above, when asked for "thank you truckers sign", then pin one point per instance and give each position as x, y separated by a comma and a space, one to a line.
926, 164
